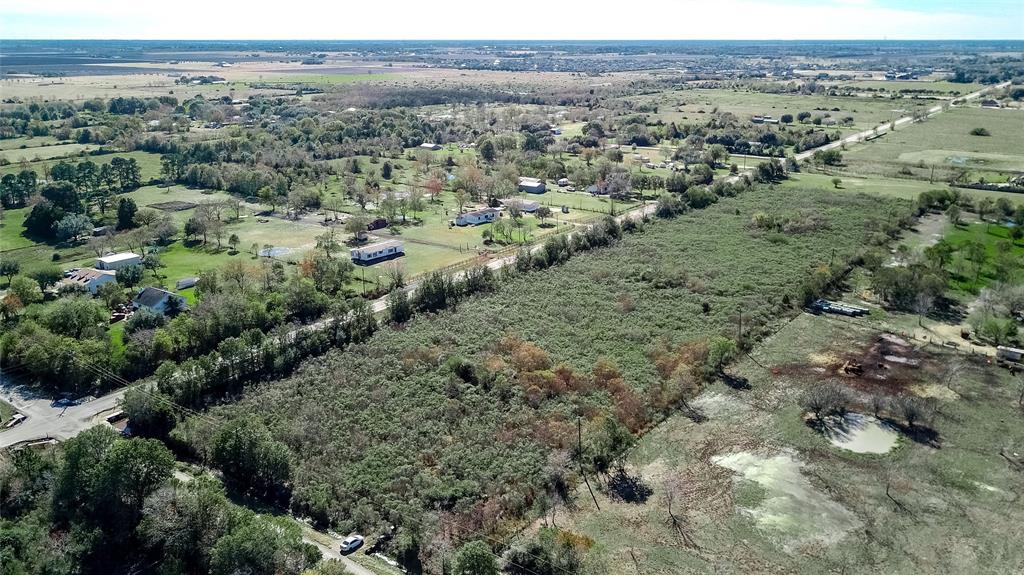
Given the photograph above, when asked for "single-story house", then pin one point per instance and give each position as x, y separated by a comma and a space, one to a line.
990, 104
430, 146
528, 206
89, 278
475, 217
531, 185
157, 299
185, 283
593, 190
117, 261
564, 182
377, 251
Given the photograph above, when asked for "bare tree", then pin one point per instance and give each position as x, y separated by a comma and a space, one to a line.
671, 489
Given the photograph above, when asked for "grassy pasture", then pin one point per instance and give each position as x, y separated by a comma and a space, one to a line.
45, 152
27, 142
685, 106
149, 164
945, 141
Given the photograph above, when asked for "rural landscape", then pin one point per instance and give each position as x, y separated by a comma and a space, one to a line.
652, 307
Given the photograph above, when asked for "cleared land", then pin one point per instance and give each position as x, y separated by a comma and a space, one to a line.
759, 491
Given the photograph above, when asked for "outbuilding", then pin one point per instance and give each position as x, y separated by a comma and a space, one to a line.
527, 206
430, 146
117, 261
531, 185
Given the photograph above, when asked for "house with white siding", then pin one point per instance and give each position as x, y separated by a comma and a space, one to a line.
89, 278
476, 217
377, 251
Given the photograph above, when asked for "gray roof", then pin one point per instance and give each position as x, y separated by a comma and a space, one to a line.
151, 296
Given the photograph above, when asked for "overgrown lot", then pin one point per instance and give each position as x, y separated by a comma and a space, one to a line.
473, 411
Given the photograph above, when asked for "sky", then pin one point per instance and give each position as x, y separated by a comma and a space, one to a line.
517, 19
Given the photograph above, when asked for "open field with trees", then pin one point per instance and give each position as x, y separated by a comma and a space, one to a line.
757, 488
611, 368
514, 366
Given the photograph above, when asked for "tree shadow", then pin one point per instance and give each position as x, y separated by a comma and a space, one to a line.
629, 488
737, 382
948, 311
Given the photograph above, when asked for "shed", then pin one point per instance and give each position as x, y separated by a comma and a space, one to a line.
117, 261
430, 146
532, 185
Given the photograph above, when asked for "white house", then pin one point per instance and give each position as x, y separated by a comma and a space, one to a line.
117, 261
531, 185
475, 217
89, 278
157, 299
430, 146
376, 251
528, 206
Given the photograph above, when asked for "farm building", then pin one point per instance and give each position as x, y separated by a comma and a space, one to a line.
159, 300
185, 283
528, 206
377, 251
475, 217
990, 104
430, 146
117, 261
89, 278
531, 185
564, 182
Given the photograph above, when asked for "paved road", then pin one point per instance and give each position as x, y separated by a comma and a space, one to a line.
45, 421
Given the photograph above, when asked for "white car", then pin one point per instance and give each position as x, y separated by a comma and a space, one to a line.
351, 543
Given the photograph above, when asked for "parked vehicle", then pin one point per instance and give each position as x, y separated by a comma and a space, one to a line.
351, 543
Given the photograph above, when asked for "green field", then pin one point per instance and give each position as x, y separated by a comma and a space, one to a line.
149, 164
945, 142
27, 142
686, 105
33, 154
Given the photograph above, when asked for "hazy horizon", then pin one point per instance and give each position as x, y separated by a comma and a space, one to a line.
531, 20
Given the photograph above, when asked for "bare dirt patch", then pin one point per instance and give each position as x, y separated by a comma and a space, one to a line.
797, 512
173, 206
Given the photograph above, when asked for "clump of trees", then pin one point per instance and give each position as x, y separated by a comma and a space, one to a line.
114, 503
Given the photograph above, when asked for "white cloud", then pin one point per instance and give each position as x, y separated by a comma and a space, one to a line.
523, 19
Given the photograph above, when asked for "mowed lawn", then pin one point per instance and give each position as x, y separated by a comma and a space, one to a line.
12, 229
